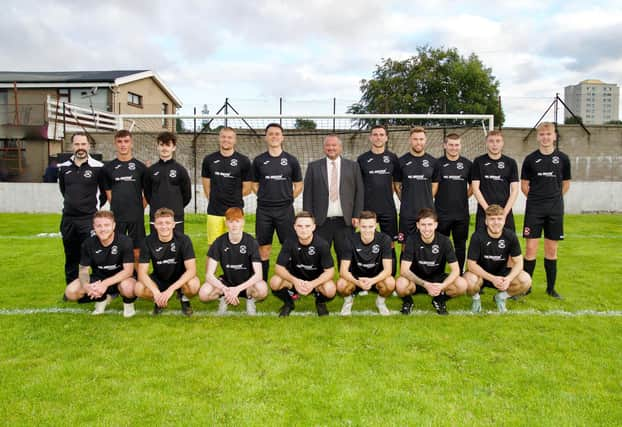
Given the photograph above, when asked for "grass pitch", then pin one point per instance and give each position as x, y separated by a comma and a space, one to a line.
545, 363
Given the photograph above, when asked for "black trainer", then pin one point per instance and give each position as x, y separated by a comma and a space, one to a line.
321, 308
186, 308
287, 308
439, 304
407, 308
157, 310
553, 293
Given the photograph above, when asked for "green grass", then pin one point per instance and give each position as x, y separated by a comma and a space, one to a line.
534, 368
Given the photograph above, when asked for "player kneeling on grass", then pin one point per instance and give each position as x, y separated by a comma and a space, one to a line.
238, 255
366, 265
111, 260
304, 266
174, 265
424, 258
491, 253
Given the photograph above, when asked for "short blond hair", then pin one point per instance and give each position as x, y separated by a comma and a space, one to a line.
494, 210
417, 129
546, 125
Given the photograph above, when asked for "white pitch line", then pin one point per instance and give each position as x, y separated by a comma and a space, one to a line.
365, 313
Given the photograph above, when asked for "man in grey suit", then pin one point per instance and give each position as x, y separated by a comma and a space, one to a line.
333, 192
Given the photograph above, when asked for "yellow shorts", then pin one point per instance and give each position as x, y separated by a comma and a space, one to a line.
215, 228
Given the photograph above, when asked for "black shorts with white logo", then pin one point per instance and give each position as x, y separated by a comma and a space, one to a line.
270, 219
534, 223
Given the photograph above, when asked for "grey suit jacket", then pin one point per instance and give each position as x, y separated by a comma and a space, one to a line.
315, 194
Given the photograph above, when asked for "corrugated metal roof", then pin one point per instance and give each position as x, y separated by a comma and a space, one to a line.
65, 76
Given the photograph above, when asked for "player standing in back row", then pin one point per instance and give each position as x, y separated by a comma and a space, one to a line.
123, 183
494, 181
277, 181
545, 178
452, 198
167, 183
226, 176
380, 169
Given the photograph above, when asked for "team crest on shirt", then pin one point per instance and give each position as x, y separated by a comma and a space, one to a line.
283, 162
173, 248
501, 165
555, 160
501, 244
435, 249
425, 164
172, 173
131, 166
233, 162
243, 249
385, 159
459, 166
527, 231
311, 250
375, 249
88, 174
114, 250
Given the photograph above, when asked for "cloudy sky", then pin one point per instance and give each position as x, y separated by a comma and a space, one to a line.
311, 51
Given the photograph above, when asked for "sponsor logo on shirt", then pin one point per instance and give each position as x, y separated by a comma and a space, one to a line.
276, 177
167, 261
235, 267
493, 177
494, 257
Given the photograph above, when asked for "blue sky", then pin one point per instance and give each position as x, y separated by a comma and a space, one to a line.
309, 52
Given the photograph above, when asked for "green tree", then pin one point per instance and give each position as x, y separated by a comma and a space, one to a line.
614, 122
179, 126
434, 81
573, 120
305, 124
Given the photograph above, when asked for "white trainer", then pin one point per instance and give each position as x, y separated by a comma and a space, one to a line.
346, 308
222, 305
382, 306
251, 308
100, 306
128, 309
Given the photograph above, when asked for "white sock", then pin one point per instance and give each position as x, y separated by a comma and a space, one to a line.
380, 299
475, 297
184, 298
503, 295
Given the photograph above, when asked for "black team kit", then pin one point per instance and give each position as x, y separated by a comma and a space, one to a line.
83, 194
452, 202
236, 260
306, 262
125, 180
416, 175
366, 259
492, 254
545, 204
167, 185
226, 175
275, 198
167, 258
495, 177
106, 261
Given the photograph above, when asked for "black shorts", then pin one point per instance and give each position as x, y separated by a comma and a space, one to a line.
162, 285
480, 219
488, 284
242, 294
270, 219
358, 273
111, 290
434, 279
388, 224
408, 226
553, 226
135, 230
459, 228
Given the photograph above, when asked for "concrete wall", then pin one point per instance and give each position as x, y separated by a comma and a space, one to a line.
583, 197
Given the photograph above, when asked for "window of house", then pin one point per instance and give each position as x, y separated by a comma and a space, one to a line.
134, 99
164, 110
63, 96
